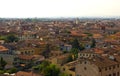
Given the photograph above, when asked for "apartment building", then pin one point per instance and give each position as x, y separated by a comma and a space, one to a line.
98, 66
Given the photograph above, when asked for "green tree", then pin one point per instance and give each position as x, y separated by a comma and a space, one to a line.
75, 44
93, 43
48, 69
82, 47
42, 66
70, 58
64, 51
1, 71
47, 50
46, 63
2, 37
51, 70
74, 52
11, 38
12, 70
2, 63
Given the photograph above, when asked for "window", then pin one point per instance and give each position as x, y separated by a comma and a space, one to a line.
28, 52
110, 75
25, 52
70, 75
80, 62
85, 68
117, 73
106, 68
86, 54
99, 70
114, 74
22, 53
63, 69
109, 68
89, 55
118, 65
114, 67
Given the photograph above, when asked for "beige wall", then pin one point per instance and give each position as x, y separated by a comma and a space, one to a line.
111, 71
66, 69
85, 68
29, 52
86, 55
92, 70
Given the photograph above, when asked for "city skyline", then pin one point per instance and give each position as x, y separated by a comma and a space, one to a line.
59, 8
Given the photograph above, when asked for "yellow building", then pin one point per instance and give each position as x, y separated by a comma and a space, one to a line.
25, 51
69, 68
59, 60
99, 66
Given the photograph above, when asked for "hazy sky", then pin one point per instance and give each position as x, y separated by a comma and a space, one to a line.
59, 8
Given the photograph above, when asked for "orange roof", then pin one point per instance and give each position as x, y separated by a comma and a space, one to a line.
117, 34
22, 73
97, 36
112, 37
83, 34
77, 33
98, 51
109, 40
62, 56
74, 33
42, 43
2, 49
29, 57
25, 57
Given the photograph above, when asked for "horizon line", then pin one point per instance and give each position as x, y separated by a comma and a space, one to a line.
60, 17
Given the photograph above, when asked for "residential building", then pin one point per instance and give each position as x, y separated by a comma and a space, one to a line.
98, 66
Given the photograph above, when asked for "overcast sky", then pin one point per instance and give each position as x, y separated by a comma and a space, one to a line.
59, 8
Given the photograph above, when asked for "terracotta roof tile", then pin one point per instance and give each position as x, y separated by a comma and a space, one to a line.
3, 49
